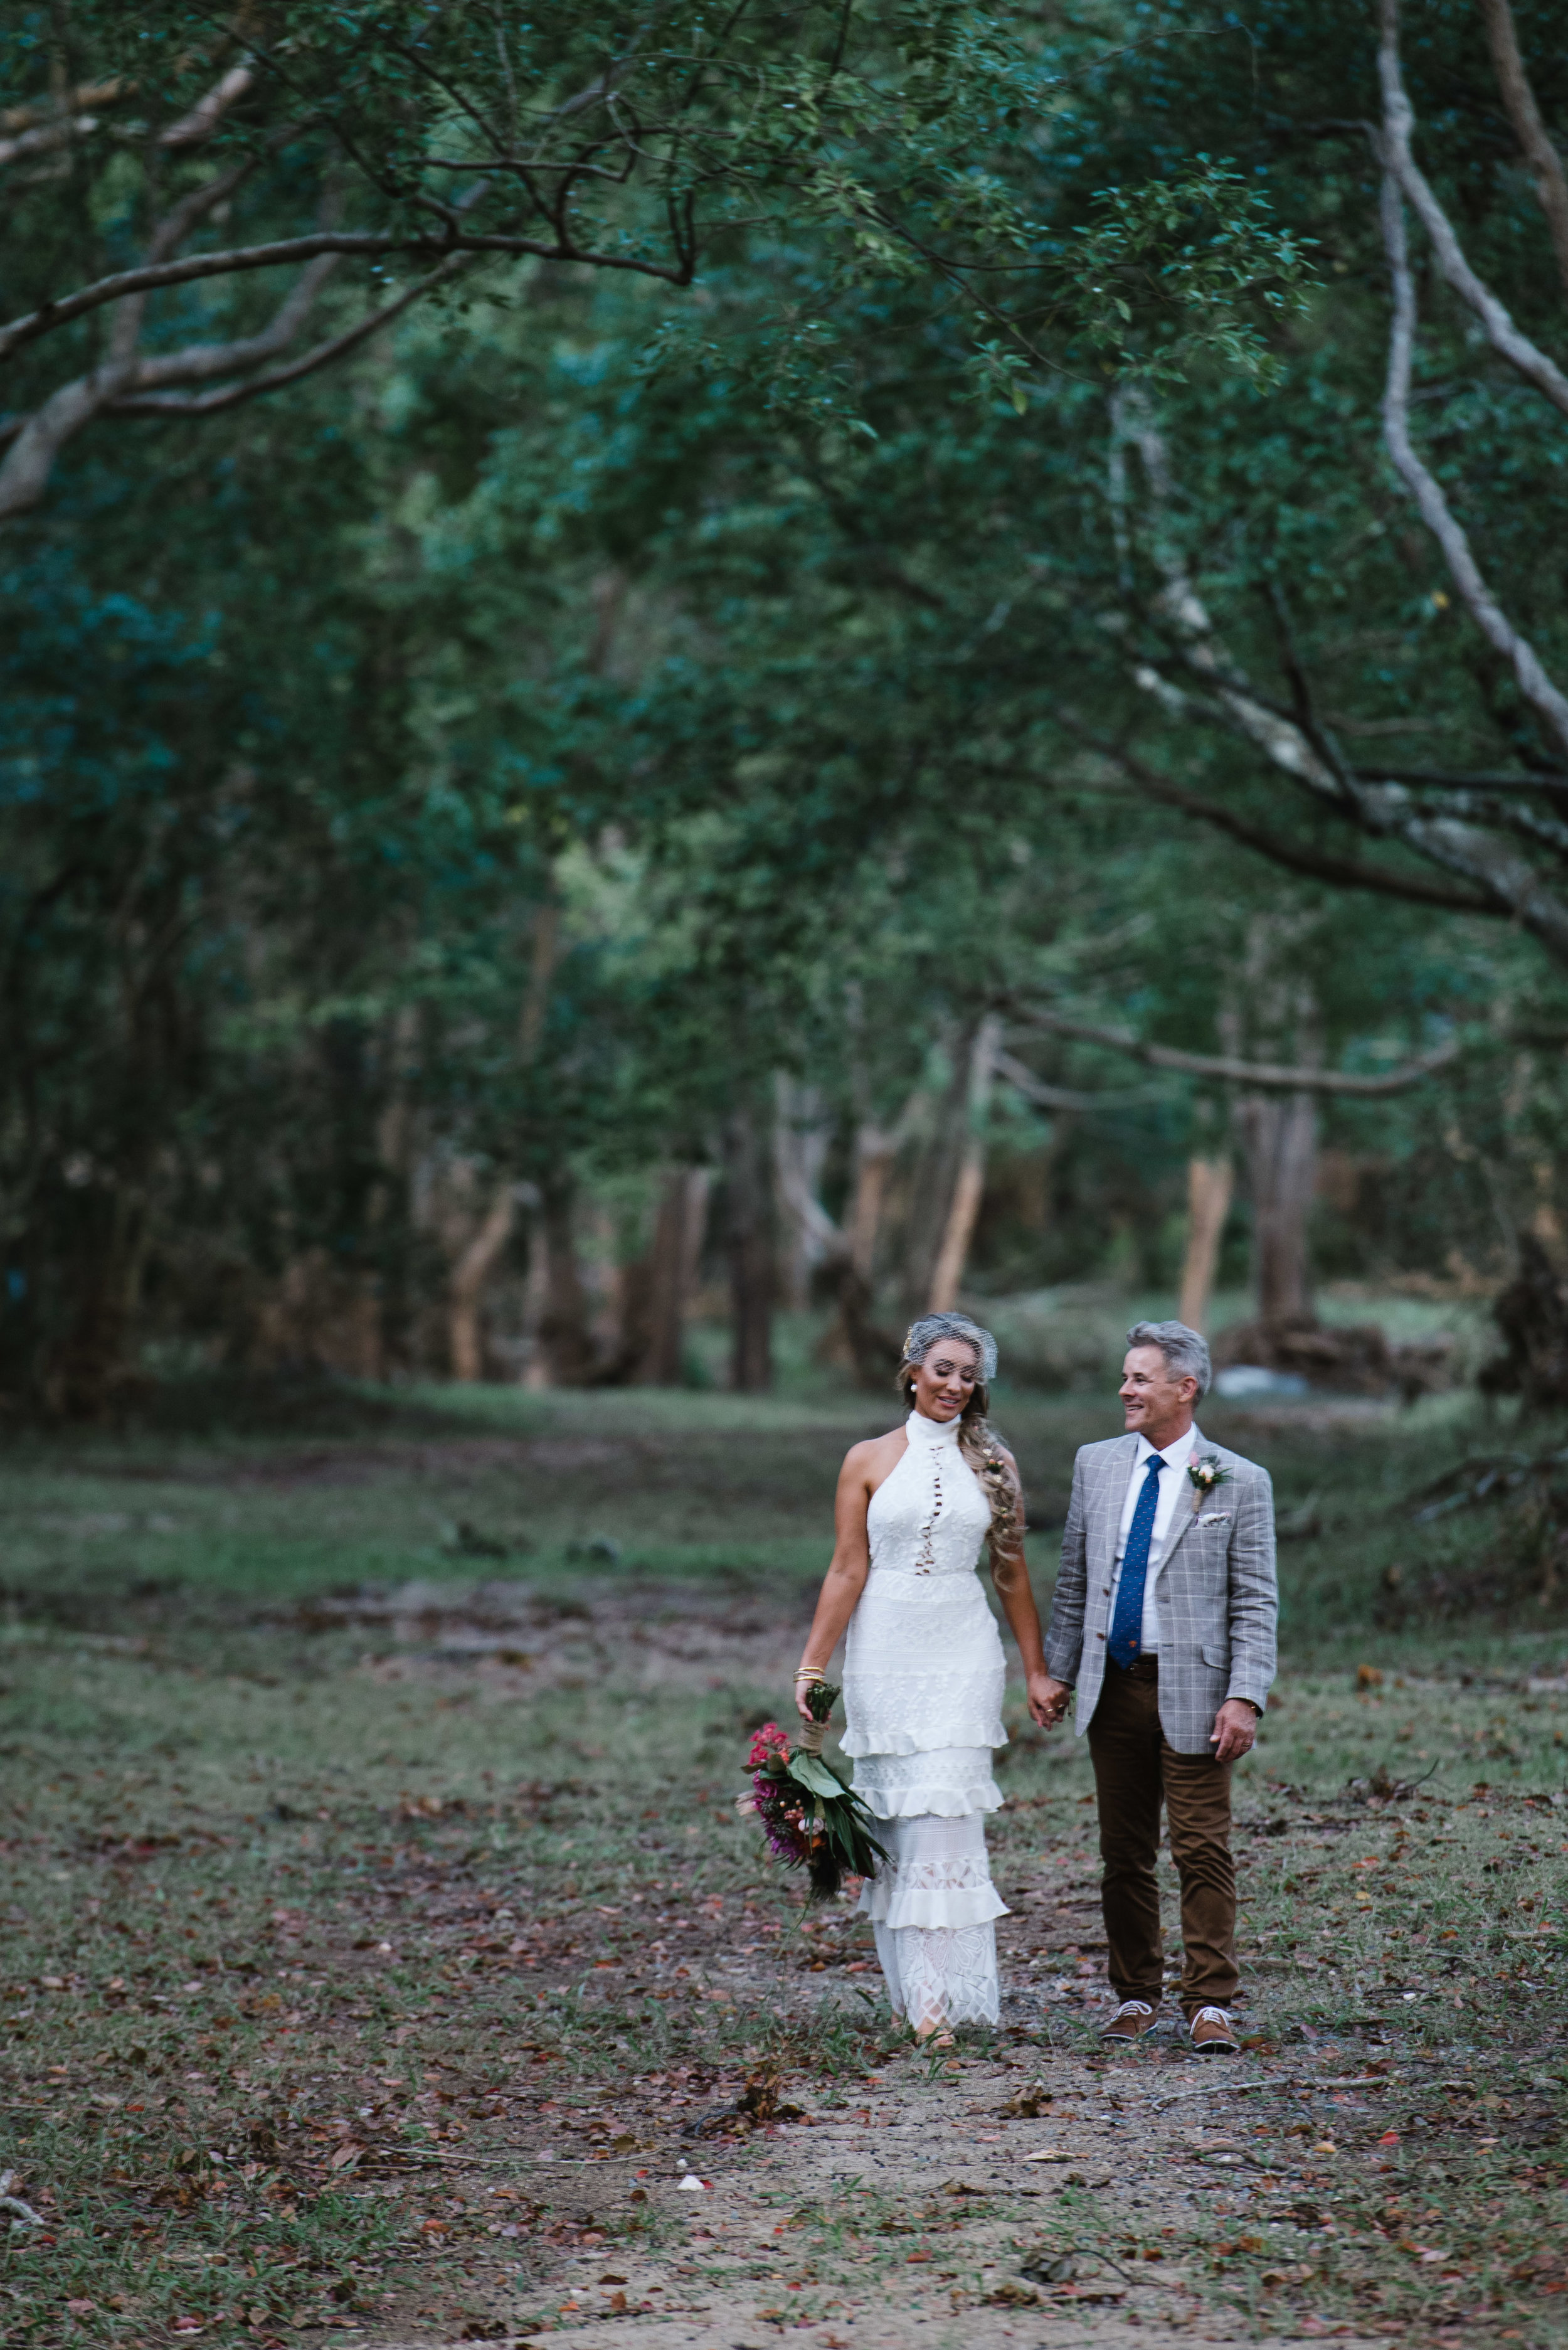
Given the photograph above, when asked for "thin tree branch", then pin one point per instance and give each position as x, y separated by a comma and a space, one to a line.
47, 137
1548, 704
1303, 699
1313, 863
209, 403
287, 251
192, 209
1444, 779
87, 94
459, 96
525, 165
1550, 186
199, 362
1393, 145
505, 54
1034, 1089
29, 461
208, 112
1242, 713
1265, 1076
1516, 816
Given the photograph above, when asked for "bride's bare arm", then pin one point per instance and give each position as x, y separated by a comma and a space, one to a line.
1010, 1573
851, 1561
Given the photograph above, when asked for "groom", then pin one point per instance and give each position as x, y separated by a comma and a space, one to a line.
1164, 1618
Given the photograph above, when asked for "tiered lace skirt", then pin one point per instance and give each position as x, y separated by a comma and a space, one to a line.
925, 1668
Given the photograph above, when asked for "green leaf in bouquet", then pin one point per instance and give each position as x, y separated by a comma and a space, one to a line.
809, 1770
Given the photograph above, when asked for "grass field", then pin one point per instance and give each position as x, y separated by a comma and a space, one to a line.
381, 1941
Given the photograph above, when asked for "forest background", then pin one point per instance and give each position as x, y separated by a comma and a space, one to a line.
659, 670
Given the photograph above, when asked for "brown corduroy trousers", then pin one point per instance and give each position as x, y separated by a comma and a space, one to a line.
1135, 1769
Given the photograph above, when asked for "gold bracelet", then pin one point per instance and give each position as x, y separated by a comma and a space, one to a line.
810, 1673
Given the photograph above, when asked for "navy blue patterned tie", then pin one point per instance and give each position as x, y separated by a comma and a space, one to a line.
1126, 1624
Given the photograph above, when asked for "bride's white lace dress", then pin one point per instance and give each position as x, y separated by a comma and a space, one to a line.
923, 1682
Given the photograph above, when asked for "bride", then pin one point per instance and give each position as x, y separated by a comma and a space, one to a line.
923, 1669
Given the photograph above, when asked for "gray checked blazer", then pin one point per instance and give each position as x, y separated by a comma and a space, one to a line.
1219, 1600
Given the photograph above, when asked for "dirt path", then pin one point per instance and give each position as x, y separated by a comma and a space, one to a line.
925, 2205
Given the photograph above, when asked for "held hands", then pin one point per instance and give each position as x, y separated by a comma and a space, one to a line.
1048, 1698
1235, 1730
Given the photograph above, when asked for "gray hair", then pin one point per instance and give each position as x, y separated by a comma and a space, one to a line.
931, 1328
1186, 1351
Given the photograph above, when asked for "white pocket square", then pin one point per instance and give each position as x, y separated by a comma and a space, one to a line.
1215, 1518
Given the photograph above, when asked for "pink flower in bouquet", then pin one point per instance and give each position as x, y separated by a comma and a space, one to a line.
769, 1740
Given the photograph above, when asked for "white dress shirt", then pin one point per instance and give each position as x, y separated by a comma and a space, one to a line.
1173, 1484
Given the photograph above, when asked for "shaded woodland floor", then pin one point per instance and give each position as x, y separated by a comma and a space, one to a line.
382, 1948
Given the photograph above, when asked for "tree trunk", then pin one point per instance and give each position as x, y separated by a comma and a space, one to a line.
922, 1197
469, 1276
565, 1341
86, 1375
801, 1140
873, 1350
535, 1293
875, 1149
1531, 1313
673, 1262
750, 1242
874, 1154
957, 1230
1209, 1182
1279, 1135
542, 963
1277, 1014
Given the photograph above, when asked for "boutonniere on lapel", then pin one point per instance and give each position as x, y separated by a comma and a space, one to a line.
1207, 1475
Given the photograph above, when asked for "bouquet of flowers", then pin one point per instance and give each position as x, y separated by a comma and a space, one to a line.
810, 1818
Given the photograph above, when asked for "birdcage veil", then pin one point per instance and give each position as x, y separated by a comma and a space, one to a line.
931, 1328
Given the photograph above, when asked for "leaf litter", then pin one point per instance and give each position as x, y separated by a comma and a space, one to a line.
398, 2001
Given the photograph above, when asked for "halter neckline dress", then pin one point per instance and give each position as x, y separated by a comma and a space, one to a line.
923, 1680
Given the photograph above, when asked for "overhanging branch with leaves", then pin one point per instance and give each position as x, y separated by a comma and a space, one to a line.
1259, 1076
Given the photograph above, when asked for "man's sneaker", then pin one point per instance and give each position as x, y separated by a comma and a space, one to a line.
1130, 2021
1211, 2033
